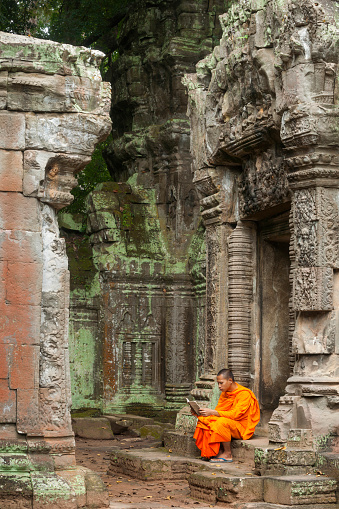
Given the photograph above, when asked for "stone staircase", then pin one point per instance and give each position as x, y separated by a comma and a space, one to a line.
261, 476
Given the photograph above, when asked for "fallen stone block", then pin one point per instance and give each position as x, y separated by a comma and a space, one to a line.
137, 420
295, 490
118, 425
96, 428
145, 465
152, 430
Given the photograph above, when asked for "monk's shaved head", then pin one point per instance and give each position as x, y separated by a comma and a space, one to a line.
226, 373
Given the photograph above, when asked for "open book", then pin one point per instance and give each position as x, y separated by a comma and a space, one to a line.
194, 406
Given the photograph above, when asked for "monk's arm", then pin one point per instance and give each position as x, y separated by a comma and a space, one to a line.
208, 411
240, 406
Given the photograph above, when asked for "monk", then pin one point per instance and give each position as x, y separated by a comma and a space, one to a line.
235, 416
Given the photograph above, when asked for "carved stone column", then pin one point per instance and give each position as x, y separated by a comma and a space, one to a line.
309, 131
241, 275
54, 111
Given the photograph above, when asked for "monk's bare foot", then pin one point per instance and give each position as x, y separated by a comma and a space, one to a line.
223, 456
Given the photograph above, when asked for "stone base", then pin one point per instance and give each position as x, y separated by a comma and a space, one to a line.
216, 487
238, 483
266, 505
181, 443
64, 489
300, 490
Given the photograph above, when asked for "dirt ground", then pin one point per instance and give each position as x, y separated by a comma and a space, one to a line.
125, 492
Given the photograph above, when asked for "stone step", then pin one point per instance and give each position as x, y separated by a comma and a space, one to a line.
299, 490
317, 492
233, 483
242, 450
213, 487
267, 505
156, 464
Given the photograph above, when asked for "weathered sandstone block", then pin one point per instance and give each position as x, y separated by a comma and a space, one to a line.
11, 171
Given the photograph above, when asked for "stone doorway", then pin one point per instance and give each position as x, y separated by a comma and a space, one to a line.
275, 319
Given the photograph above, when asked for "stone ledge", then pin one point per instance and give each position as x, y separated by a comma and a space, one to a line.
303, 489
66, 489
146, 464
216, 487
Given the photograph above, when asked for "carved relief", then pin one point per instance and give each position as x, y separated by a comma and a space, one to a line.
313, 289
263, 183
305, 220
329, 228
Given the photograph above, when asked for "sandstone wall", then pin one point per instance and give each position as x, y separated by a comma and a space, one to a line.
146, 236
54, 109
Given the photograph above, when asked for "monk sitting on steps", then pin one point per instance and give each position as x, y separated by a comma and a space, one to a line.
235, 416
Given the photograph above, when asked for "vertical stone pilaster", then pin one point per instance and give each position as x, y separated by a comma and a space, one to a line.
218, 189
313, 388
241, 273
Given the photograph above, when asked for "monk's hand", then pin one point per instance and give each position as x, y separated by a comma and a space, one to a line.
208, 411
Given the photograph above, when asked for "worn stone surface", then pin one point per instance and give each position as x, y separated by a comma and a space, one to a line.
218, 487
38, 158
97, 428
293, 490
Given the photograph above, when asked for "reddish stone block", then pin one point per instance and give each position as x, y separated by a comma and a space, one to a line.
3, 274
12, 130
6, 352
9, 432
19, 324
17, 212
28, 412
24, 370
7, 403
64, 461
24, 283
21, 246
11, 170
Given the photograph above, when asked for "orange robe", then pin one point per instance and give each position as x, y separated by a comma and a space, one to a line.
239, 414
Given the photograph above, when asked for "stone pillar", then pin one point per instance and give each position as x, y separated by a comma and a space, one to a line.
241, 277
309, 130
54, 109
